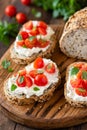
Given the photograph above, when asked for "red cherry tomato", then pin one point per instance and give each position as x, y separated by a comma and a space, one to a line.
42, 43
34, 32
81, 91
42, 25
22, 72
28, 25
41, 80
28, 81
79, 65
31, 43
50, 68
21, 18
39, 63
84, 67
10, 10
34, 73
20, 43
24, 34
76, 83
79, 74
21, 81
42, 31
25, 2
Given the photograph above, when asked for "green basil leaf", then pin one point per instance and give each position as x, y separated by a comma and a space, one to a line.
74, 71
31, 38
6, 64
36, 89
84, 75
19, 37
13, 87
21, 79
24, 46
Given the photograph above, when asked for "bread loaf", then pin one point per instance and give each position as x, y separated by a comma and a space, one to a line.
73, 41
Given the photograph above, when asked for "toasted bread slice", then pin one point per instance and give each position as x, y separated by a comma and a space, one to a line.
25, 55
73, 41
75, 88
20, 91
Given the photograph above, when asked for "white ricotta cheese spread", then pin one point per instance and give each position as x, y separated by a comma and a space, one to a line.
71, 92
26, 52
52, 78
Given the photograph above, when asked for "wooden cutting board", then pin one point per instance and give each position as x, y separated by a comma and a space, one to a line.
54, 113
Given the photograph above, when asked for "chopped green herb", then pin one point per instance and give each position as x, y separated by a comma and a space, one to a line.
31, 38
19, 37
84, 75
24, 46
74, 71
8, 31
13, 87
10, 70
36, 89
36, 13
6, 64
21, 79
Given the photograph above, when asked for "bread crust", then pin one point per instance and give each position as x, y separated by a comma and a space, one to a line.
77, 22
48, 93
68, 99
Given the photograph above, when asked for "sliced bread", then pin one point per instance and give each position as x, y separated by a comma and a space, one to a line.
73, 41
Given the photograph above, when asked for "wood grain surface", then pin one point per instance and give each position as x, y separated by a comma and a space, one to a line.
56, 112
5, 123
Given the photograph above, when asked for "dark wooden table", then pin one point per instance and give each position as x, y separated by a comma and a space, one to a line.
5, 123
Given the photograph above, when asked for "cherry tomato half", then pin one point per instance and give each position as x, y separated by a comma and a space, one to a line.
39, 63
21, 81
50, 68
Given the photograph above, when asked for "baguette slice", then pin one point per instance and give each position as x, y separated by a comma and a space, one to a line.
75, 88
28, 92
24, 55
73, 41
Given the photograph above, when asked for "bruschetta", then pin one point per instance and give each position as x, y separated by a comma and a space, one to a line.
34, 39
75, 89
36, 82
